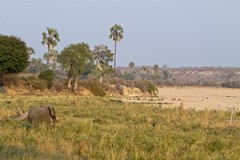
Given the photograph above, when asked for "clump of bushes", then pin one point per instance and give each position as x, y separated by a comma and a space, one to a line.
34, 83
143, 85
118, 82
151, 88
95, 87
39, 85
9, 79
58, 86
231, 84
47, 75
146, 86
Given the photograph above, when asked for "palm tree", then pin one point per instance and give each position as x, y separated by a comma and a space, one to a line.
155, 68
51, 38
131, 65
47, 57
116, 33
144, 69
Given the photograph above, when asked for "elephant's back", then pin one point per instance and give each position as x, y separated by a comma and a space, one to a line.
38, 114
38, 109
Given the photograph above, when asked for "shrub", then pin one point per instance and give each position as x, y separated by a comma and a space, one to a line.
117, 81
9, 79
146, 86
58, 86
36, 84
39, 85
47, 75
128, 76
139, 84
151, 88
95, 87
231, 84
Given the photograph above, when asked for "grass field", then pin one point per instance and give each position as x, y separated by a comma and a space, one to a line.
102, 128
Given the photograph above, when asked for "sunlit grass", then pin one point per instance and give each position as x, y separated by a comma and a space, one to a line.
100, 128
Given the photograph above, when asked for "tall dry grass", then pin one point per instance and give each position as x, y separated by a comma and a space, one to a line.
101, 128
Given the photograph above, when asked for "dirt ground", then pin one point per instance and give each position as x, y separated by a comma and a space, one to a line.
201, 98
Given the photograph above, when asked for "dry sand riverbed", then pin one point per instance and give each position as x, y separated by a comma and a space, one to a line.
201, 97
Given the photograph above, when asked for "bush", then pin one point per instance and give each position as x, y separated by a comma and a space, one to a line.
128, 76
36, 84
139, 84
58, 86
95, 87
39, 85
117, 81
9, 79
231, 84
47, 75
151, 88
146, 86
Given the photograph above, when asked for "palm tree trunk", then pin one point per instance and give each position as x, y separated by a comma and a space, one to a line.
115, 56
48, 63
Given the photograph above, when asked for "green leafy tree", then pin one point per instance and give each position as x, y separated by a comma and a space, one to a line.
102, 57
116, 34
75, 58
14, 54
51, 38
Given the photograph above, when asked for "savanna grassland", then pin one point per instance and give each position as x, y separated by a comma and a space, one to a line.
103, 128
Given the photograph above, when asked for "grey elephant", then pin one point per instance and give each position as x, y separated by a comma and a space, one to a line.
41, 114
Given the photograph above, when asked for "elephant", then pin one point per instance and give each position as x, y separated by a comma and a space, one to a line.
41, 114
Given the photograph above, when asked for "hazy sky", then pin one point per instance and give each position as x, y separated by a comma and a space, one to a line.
178, 33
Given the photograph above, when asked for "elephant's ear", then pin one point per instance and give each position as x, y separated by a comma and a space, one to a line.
52, 112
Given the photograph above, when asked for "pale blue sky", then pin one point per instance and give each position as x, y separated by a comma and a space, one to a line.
178, 33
